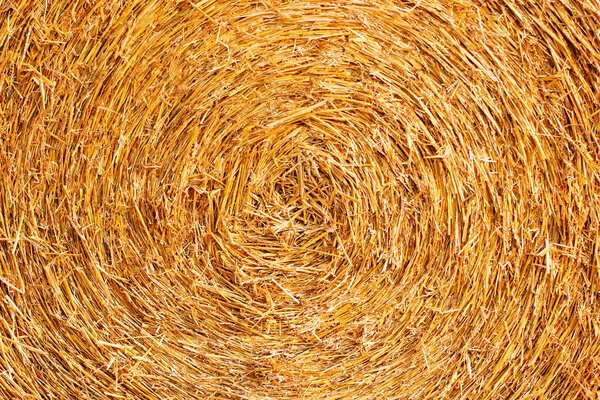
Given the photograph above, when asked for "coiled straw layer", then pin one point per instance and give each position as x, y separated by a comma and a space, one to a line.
274, 199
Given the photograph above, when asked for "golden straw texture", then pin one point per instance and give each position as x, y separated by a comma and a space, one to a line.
235, 199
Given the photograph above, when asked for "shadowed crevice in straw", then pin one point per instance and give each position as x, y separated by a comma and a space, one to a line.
276, 199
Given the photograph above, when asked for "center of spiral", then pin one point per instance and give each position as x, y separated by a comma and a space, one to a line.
288, 222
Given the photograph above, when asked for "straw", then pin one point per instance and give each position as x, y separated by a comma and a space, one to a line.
299, 199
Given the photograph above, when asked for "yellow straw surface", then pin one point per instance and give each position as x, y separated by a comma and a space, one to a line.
376, 199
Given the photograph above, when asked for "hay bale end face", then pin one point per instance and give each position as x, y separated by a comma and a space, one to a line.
299, 199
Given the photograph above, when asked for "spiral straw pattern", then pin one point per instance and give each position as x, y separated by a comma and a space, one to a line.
378, 199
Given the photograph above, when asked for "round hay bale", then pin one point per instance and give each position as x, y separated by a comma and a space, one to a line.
271, 199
